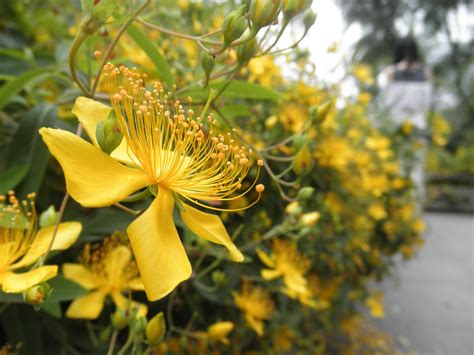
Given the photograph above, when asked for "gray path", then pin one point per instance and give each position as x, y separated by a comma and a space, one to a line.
429, 302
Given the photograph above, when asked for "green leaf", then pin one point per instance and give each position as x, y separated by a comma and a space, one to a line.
27, 148
13, 87
162, 67
235, 111
52, 308
10, 178
64, 290
236, 89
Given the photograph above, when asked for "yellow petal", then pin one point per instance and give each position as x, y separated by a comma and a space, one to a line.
125, 155
265, 258
136, 284
81, 275
268, 274
115, 264
125, 304
211, 228
67, 234
19, 282
93, 178
255, 324
160, 255
90, 113
88, 306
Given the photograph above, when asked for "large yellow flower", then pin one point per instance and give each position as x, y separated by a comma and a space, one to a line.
106, 269
170, 150
22, 244
256, 305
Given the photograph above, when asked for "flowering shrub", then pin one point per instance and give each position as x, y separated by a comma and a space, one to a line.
252, 210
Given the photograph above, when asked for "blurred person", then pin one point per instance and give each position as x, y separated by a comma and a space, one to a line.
406, 95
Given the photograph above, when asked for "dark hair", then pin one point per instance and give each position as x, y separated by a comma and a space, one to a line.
405, 49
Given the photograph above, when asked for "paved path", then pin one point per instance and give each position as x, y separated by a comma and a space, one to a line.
429, 301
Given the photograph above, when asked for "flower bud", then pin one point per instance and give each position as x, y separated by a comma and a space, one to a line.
207, 63
234, 25
139, 325
310, 219
37, 294
309, 19
293, 208
305, 193
299, 141
291, 8
218, 332
264, 12
108, 134
219, 277
156, 329
303, 161
246, 51
119, 319
48, 218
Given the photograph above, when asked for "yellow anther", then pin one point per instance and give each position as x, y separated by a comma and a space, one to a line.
260, 188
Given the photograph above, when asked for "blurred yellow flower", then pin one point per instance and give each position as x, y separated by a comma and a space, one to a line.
22, 244
364, 74
219, 331
162, 149
256, 305
287, 262
364, 98
106, 269
375, 305
334, 152
263, 70
377, 211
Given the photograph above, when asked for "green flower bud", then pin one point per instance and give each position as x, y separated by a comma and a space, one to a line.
305, 193
246, 51
299, 141
207, 62
96, 14
234, 25
139, 325
291, 8
156, 329
48, 218
37, 294
309, 19
108, 134
219, 277
119, 319
264, 12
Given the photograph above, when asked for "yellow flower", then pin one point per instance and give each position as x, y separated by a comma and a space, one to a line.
105, 269
287, 262
375, 305
377, 211
256, 305
167, 150
264, 71
407, 127
219, 331
334, 152
22, 244
363, 73
293, 117
364, 98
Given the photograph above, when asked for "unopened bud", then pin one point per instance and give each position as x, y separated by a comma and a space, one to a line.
246, 51
48, 218
119, 319
303, 161
299, 141
291, 8
309, 19
139, 325
305, 193
37, 294
234, 25
207, 63
155, 329
218, 277
108, 134
264, 12
310, 219
293, 208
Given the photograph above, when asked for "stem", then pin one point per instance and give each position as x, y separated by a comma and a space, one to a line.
127, 344
115, 41
60, 213
76, 44
113, 341
128, 210
283, 27
181, 35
